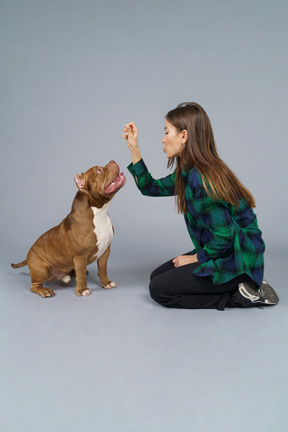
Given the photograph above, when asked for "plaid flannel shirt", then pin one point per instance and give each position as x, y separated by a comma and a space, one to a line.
227, 240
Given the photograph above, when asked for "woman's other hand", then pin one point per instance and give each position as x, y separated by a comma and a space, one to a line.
184, 260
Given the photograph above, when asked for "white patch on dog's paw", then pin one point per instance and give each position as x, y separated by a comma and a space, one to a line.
46, 292
86, 292
110, 285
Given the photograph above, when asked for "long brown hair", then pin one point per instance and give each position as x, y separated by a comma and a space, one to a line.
200, 152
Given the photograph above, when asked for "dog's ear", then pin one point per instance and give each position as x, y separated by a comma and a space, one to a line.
80, 183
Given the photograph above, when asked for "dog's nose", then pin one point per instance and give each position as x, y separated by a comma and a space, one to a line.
111, 162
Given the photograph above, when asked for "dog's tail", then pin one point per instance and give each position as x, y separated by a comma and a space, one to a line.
22, 264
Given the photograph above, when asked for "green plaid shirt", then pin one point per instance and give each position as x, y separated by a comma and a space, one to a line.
227, 240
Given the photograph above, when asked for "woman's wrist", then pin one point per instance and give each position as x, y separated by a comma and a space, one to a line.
135, 155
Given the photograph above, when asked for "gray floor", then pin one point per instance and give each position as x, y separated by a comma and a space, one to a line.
116, 361
73, 74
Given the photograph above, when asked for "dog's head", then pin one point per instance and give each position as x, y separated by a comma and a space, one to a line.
101, 183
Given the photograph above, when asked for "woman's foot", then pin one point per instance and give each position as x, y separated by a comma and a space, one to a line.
263, 296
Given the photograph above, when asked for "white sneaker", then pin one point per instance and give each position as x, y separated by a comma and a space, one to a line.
264, 295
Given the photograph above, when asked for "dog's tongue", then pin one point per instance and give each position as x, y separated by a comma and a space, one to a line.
117, 182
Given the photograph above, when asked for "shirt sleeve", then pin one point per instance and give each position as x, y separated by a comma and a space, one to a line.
217, 226
148, 185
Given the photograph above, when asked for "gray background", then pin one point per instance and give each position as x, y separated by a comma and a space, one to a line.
72, 74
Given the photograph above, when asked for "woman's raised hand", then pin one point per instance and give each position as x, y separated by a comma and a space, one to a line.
130, 134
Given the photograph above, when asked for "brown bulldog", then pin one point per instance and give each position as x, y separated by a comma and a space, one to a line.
82, 237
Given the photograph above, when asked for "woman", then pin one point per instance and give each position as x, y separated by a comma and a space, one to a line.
226, 267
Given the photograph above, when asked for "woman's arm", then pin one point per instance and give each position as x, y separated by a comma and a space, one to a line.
144, 181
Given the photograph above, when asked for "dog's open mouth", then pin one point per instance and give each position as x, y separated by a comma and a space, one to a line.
116, 184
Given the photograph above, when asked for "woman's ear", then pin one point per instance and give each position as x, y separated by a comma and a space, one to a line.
184, 136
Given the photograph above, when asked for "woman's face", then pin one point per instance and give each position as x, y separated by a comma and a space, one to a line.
173, 141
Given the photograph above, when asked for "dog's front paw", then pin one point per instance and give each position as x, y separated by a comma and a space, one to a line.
83, 292
109, 285
46, 292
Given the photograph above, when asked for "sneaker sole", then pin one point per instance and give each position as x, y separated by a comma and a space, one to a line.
269, 292
266, 294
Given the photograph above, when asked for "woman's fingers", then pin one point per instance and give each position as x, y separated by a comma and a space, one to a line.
131, 127
130, 134
126, 132
175, 261
184, 260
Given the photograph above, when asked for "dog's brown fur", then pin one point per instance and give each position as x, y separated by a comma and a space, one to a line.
73, 243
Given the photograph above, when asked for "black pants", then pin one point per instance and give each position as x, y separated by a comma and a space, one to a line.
178, 287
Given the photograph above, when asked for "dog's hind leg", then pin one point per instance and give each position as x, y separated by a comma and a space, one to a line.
39, 272
38, 288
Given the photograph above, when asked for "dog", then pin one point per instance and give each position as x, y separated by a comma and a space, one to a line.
84, 236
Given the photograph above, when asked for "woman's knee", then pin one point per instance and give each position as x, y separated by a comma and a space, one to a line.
154, 288
162, 269
154, 274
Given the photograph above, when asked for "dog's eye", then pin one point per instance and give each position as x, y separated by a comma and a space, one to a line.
99, 170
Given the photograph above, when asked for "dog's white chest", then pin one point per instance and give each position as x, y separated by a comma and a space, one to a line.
103, 229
